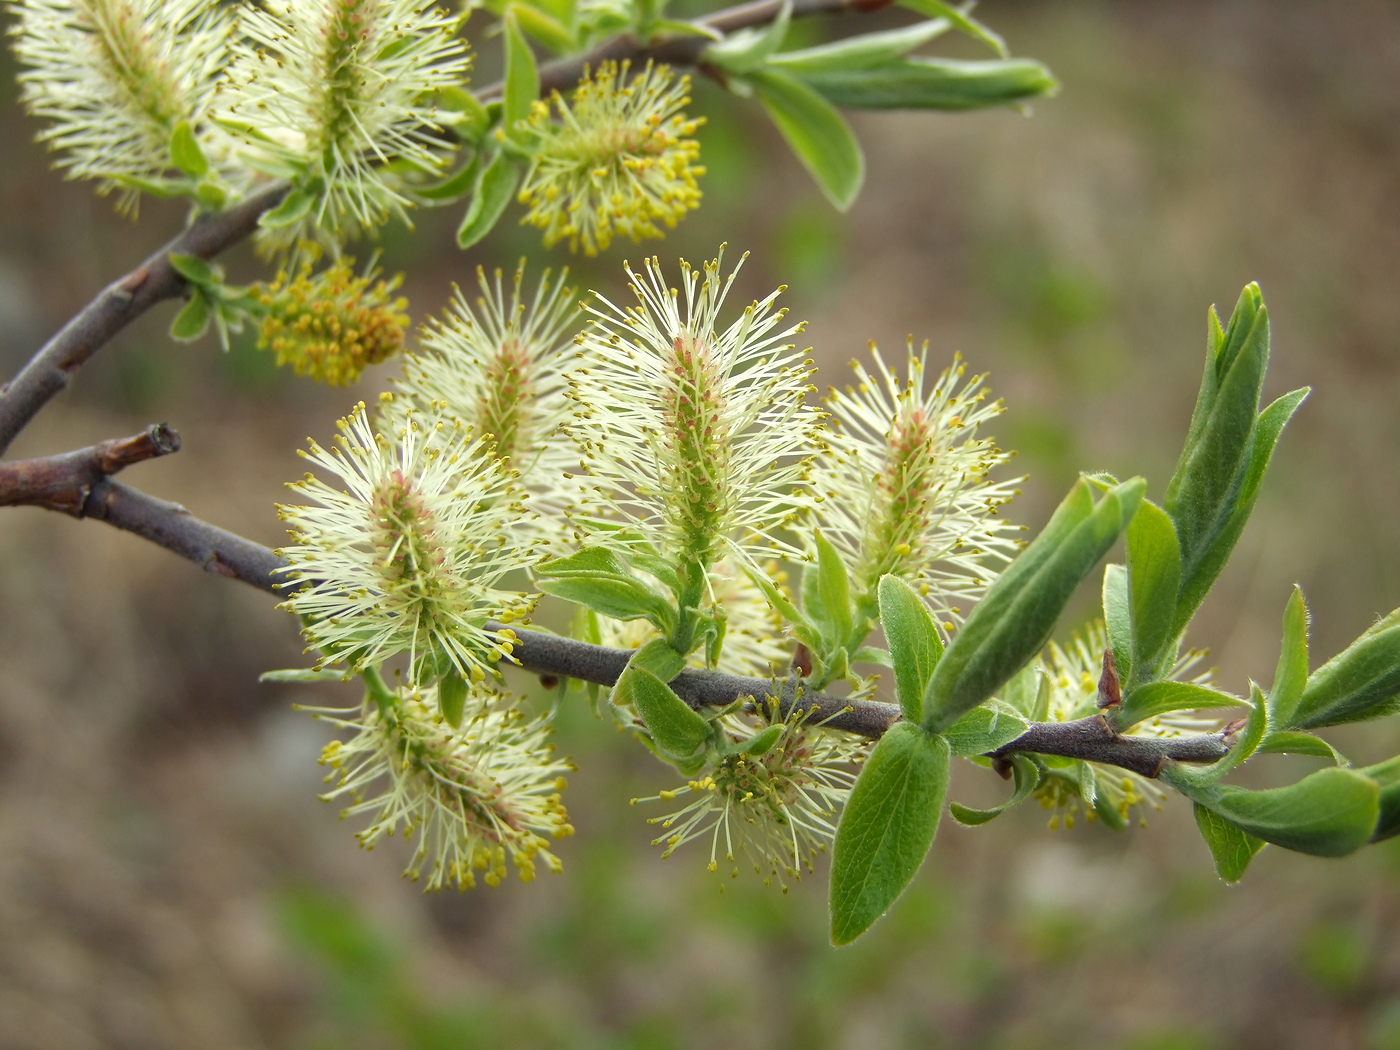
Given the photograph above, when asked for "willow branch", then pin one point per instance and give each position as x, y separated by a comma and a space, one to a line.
79, 483
51, 369
681, 50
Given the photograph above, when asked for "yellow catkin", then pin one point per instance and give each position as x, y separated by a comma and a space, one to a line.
331, 325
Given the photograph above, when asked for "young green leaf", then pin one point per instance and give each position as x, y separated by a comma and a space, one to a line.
522, 80
1294, 743
302, 674
295, 206
887, 827
1154, 576
676, 730
1158, 698
192, 321
914, 643
929, 83
863, 51
960, 19
463, 110
984, 729
818, 135
1386, 776
659, 658
590, 561
1198, 581
1291, 677
1022, 692
760, 743
1016, 617
1362, 682
826, 594
549, 31
748, 49
195, 270
452, 698
1118, 620
185, 153
1231, 848
494, 188
454, 187
1331, 813
1026, 775
621, 599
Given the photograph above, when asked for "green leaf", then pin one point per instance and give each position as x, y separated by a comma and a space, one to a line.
547, 30
929, 83
1154, 576
590, 561
459, 109
185, 153
210, 195
454, 187
958, 17
1294, 743
871, 654
621, 599
192, 321
1232, 848
659, 658
1386, 776
914, 643
1331, 813
295, 206
826, 594
775, 597
1158, 698
194, 270
748, 49
984, 729
1026, 775
886, 827
1118, 620
1271, 423
1088, 784
494, 188
864, 51
1022, 692
818, 135
1247, 741
1016, 617
302, 674
760, 743
161, 189
1291, 677
452, 698
676, 730
1227, 450
1360, 683
522, 79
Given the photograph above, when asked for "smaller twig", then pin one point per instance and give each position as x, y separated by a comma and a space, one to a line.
65, 482
51, 369
171, 526
1094, 740
563, 73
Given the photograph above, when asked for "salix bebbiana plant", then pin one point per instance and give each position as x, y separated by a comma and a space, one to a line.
743, 562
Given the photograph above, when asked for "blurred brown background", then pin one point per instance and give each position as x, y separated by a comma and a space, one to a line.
168, 879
